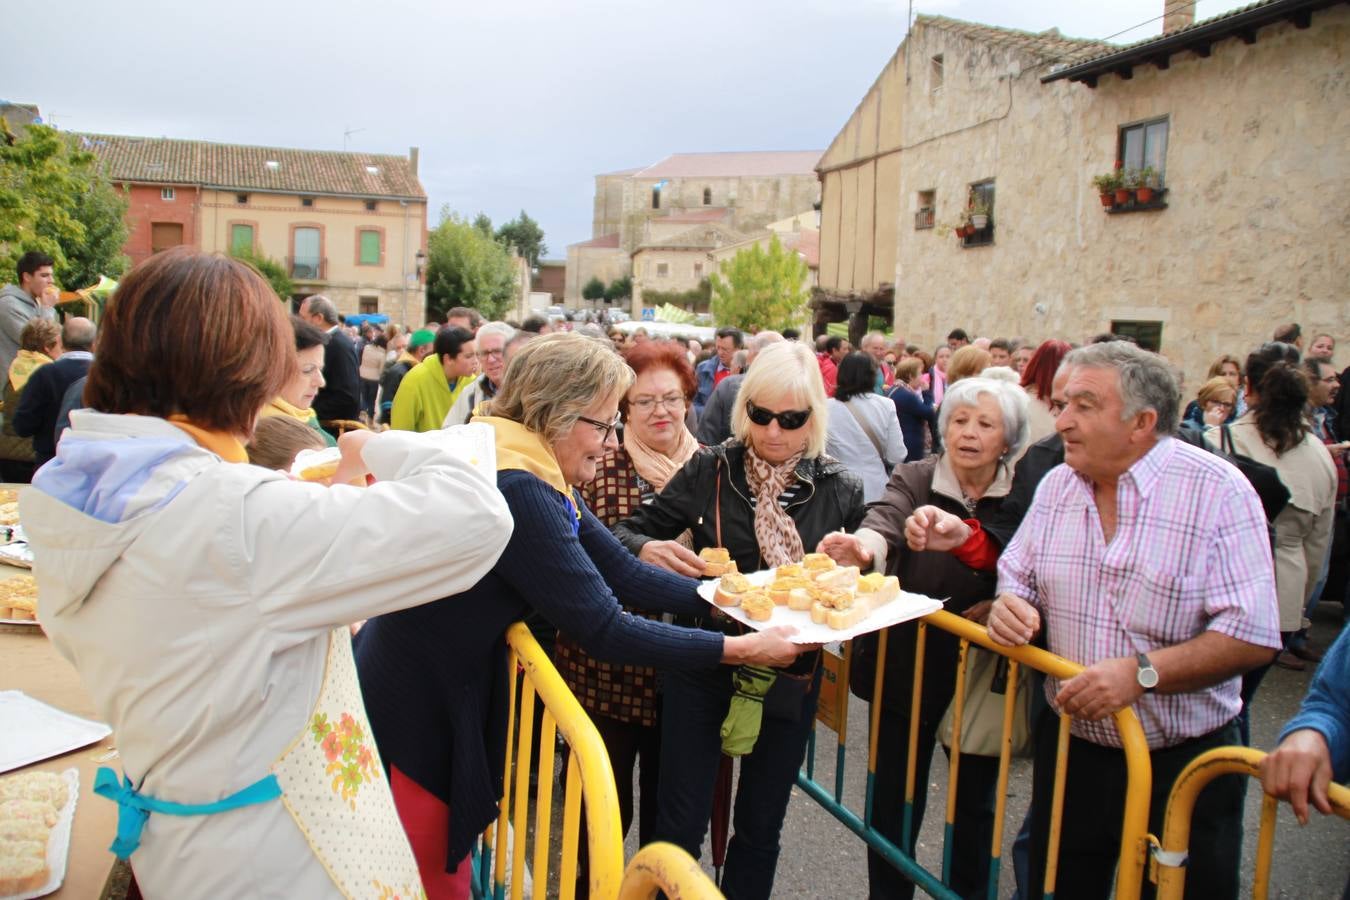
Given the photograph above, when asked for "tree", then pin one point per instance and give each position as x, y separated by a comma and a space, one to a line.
761, 288
619, 289
593, 289
269, 268
466, 267
481, 221
55, 197
525, 235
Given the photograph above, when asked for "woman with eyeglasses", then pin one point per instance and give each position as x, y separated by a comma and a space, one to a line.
624, 701
299, 392
435, 682
767, 496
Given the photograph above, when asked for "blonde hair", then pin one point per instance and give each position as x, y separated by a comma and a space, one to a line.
1217, 388
786, 370
38, 335
967, 362
553, 379
277, 439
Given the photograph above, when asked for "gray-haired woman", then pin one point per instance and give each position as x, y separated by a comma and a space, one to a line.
435, 682
983, 423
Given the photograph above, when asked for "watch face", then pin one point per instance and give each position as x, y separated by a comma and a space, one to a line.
1148, 677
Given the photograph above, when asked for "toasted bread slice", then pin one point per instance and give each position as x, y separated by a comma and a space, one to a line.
878, 589
718, 569
817, 562
21, 871
757, 605
800, 599
843, 577
819, 613
781, 587
791, 570
839, 619
715, 555
28, 811
730, 588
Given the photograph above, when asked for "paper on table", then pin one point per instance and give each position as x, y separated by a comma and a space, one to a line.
903, 608
17, 553
58, 845
31, 731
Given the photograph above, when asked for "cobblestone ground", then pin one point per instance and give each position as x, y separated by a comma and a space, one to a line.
821, 858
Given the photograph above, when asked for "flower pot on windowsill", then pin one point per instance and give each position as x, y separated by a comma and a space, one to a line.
1143, 194
978, 221
1108, 199
1122, 196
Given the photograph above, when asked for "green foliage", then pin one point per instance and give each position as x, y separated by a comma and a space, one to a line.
762, 288
593, 289
619, 289
467, 267
480, 221
696, 299
55, 198
272, 270
525, 235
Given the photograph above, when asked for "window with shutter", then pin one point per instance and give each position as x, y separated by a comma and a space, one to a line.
370, 248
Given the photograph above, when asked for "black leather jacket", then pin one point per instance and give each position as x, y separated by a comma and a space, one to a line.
831, 499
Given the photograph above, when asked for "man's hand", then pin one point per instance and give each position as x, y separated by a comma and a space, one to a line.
1101, 689
50, 296
1013, 621
845, 549
930, 528
1299, 769
673, 556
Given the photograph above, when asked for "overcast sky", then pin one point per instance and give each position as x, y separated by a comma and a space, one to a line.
514, 103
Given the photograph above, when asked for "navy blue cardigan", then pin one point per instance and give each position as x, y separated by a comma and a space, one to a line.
434, 676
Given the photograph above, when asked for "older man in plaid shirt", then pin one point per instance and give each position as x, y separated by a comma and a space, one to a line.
1148, 561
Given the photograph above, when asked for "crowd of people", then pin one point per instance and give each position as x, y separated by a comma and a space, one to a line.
339, 645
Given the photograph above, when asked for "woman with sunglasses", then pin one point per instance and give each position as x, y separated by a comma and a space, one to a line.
435, 682
766, 496
624, 701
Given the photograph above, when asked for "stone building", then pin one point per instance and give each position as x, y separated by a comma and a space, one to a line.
351, 226
1242, 116
677, 263
740, 192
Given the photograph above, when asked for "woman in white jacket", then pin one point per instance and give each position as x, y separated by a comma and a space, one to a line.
205, 601
864, 431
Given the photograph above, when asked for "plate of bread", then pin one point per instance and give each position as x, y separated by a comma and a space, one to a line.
824, 601
18, 600
36, 812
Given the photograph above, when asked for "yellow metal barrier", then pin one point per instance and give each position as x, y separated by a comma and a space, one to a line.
668, 869
589, 777
1181, 804
1134, 826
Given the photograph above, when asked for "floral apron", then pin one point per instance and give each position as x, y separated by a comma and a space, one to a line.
330, 780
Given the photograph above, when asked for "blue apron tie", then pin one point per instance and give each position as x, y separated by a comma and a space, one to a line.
134, 808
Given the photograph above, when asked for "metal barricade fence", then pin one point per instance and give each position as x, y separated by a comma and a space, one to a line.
1134, 827
666, 868
589, 777
1170, 857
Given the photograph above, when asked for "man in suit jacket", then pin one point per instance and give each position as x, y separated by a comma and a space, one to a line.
40, 403
340, 397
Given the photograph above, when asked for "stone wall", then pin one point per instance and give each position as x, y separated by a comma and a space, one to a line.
1258, 199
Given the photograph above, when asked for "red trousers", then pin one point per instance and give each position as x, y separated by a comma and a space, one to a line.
426, 820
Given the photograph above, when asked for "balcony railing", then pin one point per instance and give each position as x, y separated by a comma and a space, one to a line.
307, 268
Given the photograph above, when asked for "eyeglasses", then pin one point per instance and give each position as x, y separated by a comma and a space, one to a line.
484, 354
606, 428
645, 405
1330, 379
788, 419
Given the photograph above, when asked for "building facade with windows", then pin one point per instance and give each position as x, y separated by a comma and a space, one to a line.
351, 226
1241, 118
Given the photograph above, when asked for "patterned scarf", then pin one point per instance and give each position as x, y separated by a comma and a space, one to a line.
657, 468
779, 542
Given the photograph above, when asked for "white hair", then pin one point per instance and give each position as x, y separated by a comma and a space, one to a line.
1001, 373
1012, 403
499, 328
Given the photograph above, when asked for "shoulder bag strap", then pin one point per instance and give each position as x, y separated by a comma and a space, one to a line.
876, 444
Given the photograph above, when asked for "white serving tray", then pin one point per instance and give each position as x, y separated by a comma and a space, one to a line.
903, 608
31, 731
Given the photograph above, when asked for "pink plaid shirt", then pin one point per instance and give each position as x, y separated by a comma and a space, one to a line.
1191, 553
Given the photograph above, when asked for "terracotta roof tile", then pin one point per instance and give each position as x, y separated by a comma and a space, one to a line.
610, 241
246, 168
1049, 45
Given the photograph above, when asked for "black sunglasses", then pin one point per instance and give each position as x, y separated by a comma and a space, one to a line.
788, 419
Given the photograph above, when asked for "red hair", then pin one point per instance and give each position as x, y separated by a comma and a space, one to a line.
660, 355
1039, 374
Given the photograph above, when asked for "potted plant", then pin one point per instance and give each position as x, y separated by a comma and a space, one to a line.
1145, 183
1106, 185
979, 214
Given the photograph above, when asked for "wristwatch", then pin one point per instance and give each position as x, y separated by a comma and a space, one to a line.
1147, 675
